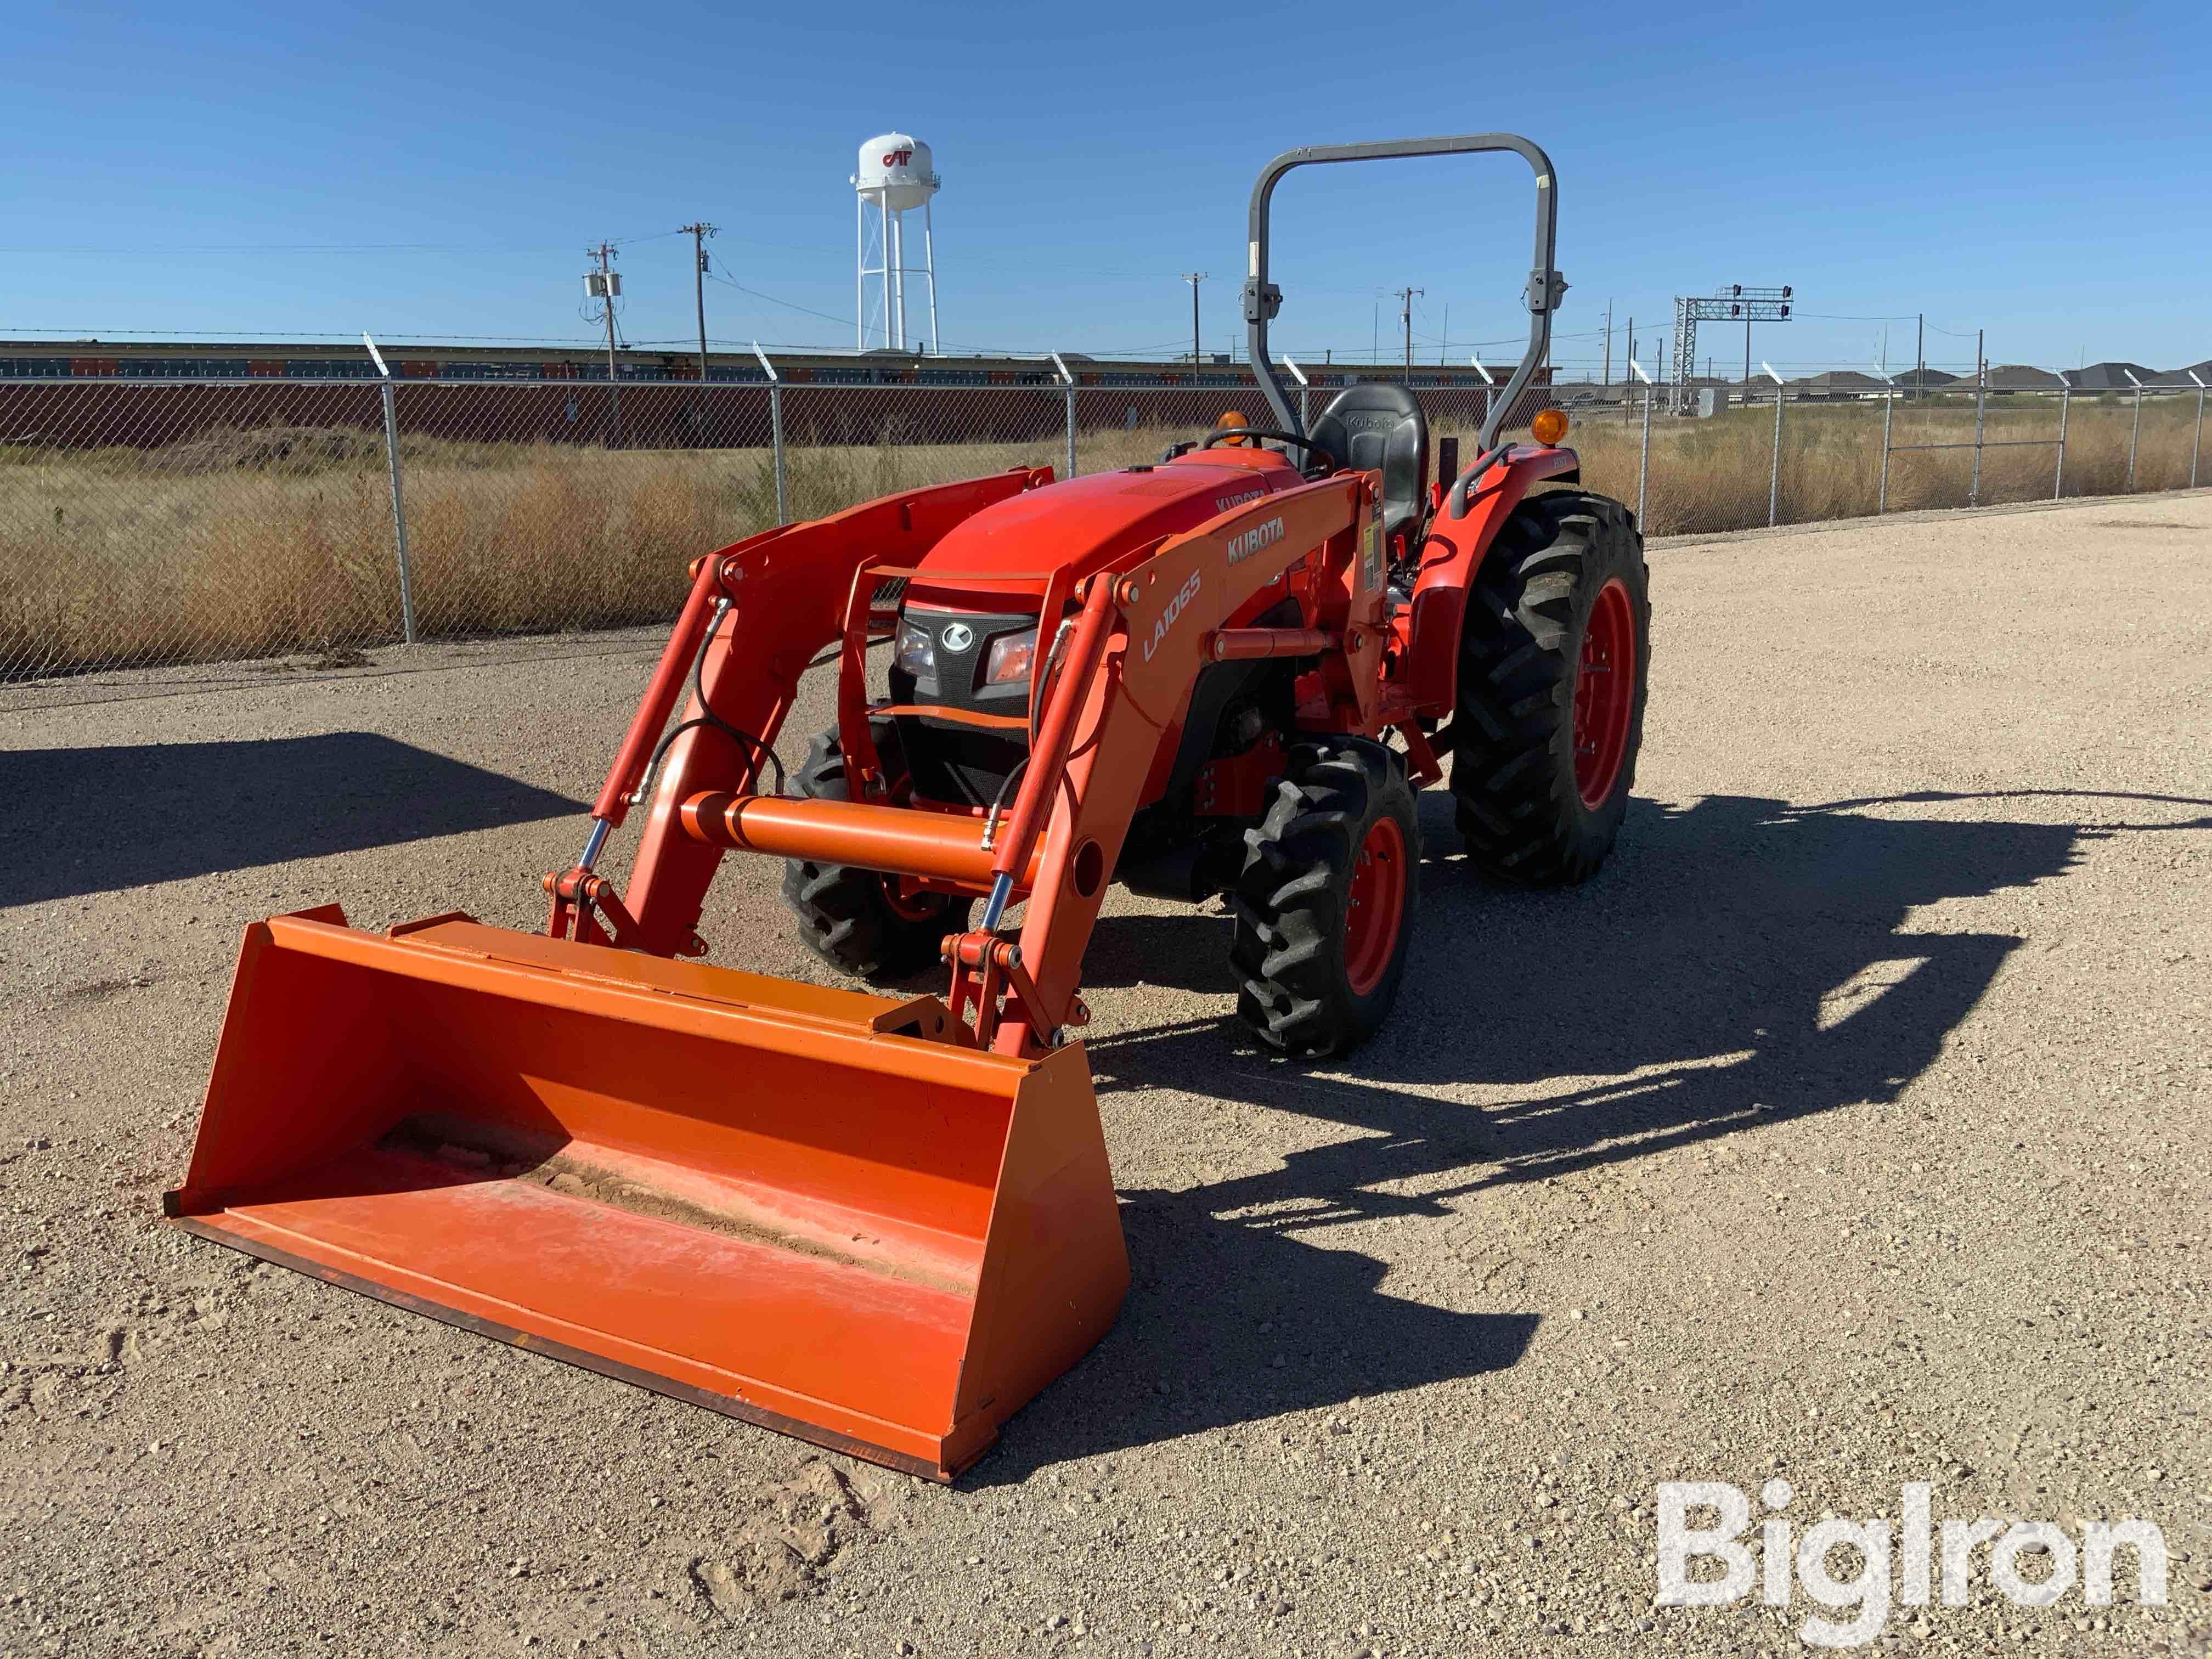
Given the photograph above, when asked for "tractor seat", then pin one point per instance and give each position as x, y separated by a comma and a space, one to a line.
1379, 427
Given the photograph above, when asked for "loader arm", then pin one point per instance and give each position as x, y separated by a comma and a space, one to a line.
774, 603
1166, 623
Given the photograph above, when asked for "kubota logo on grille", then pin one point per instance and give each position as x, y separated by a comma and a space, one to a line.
1242, 547
1184, 595
956, 638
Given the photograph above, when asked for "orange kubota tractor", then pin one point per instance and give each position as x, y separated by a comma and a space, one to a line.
884, 1223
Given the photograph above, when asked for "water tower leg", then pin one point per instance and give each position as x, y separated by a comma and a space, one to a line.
929, 269
860, 273
897, 261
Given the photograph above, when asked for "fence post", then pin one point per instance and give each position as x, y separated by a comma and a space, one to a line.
1881, 491
1068, 381
1644, 459
2196, 439
398, 499
775, 431
2137, 433
2065, 406
1774, 476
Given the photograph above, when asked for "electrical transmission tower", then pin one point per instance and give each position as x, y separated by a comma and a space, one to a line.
1734, 303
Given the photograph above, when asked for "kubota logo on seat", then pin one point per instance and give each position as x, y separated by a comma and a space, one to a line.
1184, 595
1242, 547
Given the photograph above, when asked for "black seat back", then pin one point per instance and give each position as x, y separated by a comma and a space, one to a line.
1379, 427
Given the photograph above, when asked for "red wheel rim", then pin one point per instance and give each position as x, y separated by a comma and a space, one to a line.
919, 906
1377, 907
1605, 693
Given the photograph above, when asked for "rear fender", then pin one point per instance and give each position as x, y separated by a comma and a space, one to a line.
1451, 555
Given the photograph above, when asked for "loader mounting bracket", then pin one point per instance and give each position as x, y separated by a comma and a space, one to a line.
581, 899
988, 970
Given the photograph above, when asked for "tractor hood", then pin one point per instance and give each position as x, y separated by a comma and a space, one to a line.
1090, 522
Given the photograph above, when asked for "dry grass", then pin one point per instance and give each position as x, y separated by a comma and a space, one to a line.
240, 545
1713, 475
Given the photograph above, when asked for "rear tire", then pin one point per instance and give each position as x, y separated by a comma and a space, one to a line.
1552, 682
847, 916
1326, 901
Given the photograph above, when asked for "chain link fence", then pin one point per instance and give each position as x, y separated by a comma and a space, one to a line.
150, 524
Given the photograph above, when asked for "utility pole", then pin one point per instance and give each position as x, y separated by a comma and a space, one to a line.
1406, 310
605, 285
1608, 342
1747, 347
1920, 355
700, 232
1194, 277
1443, 349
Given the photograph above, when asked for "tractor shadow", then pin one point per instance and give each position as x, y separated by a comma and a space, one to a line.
98, 820
1741, 961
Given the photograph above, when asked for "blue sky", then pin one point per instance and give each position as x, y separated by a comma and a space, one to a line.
2039, 170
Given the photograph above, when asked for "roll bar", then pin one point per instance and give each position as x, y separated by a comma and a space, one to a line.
1262, 299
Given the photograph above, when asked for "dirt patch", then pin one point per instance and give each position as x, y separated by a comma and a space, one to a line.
788, 1541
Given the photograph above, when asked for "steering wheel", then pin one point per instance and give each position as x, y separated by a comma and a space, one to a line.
1307, 444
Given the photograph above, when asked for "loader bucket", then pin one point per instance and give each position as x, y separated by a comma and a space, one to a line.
801, 1207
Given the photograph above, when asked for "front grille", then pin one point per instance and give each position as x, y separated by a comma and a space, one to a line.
962, 765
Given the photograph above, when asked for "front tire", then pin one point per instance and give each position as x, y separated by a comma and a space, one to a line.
1326, 900
1554, 661
854, 918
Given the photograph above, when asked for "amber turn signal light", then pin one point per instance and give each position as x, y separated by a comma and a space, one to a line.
1549, 426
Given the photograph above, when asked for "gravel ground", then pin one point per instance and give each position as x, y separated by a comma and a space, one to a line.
1851, 1126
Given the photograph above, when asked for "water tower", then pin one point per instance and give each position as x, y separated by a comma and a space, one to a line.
895, 177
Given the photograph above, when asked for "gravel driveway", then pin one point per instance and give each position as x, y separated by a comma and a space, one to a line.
1851, 1128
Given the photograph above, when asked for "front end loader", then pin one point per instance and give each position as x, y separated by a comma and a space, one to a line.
884, 1223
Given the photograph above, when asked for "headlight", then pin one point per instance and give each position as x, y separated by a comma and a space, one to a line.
916, 653
1012, 656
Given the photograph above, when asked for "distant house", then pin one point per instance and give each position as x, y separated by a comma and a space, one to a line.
2019, 377
2180, 376
1917, 380
2109, 377
1838, 383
